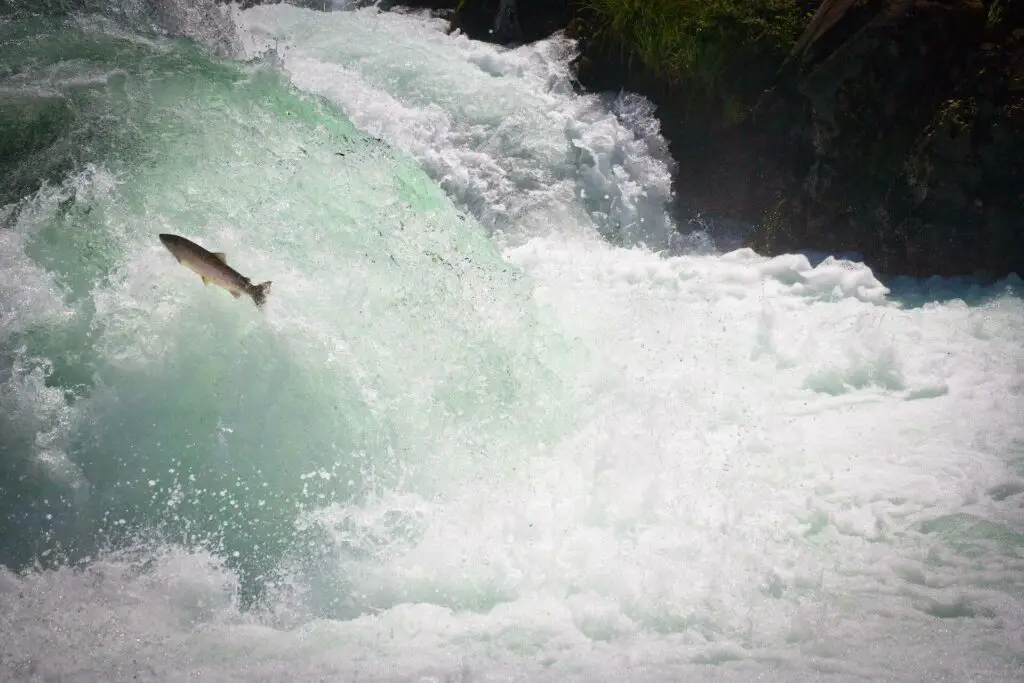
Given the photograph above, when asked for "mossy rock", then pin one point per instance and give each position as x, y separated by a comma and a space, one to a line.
908, 117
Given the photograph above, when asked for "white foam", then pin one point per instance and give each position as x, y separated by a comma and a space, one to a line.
765, 437
499, 129
758, 468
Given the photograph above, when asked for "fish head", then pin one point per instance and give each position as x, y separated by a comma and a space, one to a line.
169, 240
178, 246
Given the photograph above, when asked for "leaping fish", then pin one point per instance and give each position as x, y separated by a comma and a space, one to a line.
213, 267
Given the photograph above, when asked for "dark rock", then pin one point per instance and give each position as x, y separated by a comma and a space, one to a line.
511, 21
507, 22
308, 4
721, 173
904, 122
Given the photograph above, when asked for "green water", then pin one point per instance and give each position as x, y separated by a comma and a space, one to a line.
395, 334
478, 432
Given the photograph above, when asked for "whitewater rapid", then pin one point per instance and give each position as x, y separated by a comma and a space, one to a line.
499, 420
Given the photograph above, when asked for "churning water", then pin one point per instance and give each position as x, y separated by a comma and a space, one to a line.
498, 421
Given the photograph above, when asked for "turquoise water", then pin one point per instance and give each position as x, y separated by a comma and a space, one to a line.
172, 408
497, 421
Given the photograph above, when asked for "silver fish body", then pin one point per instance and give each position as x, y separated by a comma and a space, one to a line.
213, 267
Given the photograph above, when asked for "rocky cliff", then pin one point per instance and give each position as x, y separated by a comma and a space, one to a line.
902, 122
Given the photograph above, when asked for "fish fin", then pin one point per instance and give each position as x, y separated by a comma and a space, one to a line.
235, 294
206, 280
259, 293
222, 256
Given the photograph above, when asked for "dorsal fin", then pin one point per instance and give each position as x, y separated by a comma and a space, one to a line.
222, 256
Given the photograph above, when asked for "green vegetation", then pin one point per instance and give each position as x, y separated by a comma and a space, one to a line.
719, 52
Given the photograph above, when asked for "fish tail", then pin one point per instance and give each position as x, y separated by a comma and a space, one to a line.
259, 293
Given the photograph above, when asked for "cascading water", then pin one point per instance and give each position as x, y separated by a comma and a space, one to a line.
498, 421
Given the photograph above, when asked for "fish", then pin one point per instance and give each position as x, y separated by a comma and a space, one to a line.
212, 266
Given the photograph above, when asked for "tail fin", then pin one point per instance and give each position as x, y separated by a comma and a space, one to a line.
259, 293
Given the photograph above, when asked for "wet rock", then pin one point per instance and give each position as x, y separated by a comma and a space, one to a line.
903, 119
499, 21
